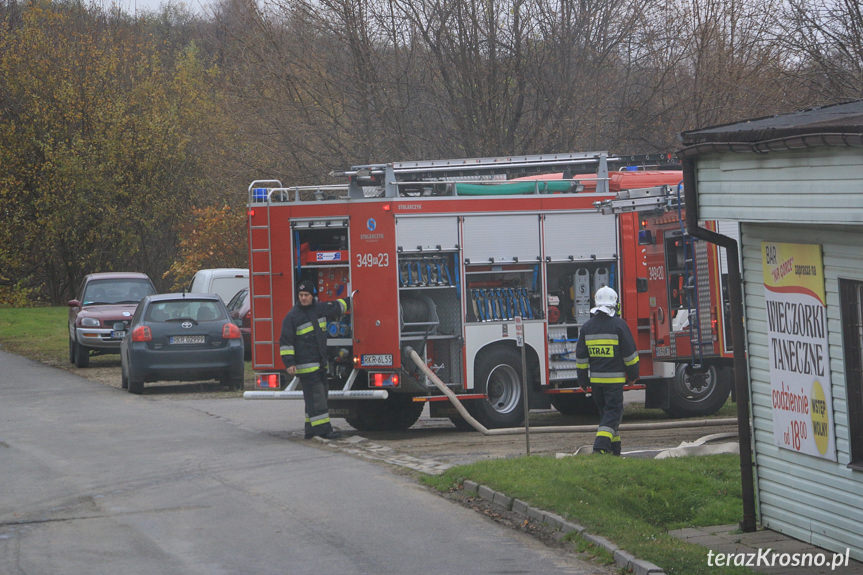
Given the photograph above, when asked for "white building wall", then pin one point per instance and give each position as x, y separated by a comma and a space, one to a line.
808, 186
806, 497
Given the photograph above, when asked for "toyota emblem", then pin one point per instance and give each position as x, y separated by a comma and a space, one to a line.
186, 324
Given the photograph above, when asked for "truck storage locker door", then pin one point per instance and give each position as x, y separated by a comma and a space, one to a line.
581, 235
732, 230
501, 238
426, 232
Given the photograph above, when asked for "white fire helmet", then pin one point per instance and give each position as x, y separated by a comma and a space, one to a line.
605, 300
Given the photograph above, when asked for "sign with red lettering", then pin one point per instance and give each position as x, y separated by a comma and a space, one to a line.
797, 347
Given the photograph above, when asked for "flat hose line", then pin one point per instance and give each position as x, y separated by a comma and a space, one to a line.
462, 411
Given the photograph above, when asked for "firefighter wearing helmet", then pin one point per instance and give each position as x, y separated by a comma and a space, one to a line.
606, 358
303, 349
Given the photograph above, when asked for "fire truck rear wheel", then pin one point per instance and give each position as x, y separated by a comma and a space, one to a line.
691, 395
396, 413
498, 374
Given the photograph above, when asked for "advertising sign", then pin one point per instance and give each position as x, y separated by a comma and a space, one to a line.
798, 353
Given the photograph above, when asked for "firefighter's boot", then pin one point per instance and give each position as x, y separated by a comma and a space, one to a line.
602, 443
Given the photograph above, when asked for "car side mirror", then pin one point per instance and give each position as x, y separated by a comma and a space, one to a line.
73, 303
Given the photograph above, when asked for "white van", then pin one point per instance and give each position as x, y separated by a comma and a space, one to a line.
222, 281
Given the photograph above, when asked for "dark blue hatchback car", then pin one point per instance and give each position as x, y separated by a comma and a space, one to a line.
185, 337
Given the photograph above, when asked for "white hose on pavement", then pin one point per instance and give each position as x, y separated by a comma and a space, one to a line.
553, 428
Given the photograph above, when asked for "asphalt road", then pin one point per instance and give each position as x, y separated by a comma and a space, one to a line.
96, 480
430, 445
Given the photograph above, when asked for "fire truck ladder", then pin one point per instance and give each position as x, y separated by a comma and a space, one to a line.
260, 249
690, 287
660, 199
398, 179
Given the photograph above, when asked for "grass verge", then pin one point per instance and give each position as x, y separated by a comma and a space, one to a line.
39, 333
633, 502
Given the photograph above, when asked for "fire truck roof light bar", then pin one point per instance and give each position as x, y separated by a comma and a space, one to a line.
260, 194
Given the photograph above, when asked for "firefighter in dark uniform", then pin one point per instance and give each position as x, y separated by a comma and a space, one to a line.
303, 348
606, 350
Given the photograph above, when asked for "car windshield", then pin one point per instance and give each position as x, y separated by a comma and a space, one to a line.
116, 291
184, 310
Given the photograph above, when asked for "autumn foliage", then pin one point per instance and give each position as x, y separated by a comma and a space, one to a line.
215, 237
127, 142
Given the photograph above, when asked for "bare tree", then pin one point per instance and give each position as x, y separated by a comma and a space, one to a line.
826, 39
702, 62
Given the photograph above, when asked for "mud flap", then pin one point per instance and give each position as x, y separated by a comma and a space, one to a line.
656, 395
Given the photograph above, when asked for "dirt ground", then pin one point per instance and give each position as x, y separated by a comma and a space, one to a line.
106, 370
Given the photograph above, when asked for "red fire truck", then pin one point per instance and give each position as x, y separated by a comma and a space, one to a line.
460, 260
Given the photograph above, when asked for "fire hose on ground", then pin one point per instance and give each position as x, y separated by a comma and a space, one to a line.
463, 412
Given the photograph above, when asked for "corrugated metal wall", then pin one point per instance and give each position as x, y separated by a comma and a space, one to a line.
808, 186
806, 497
811, 196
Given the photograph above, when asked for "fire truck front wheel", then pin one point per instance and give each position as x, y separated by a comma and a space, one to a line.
498, 375
695, 393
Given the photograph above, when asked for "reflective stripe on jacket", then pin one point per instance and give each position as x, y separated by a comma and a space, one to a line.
606, 350
303, 344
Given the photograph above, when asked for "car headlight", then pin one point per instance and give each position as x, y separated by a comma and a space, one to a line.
89, 322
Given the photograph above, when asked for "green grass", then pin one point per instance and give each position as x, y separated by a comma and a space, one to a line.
633, 502
39, 333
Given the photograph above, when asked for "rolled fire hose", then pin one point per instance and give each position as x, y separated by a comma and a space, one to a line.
553, 428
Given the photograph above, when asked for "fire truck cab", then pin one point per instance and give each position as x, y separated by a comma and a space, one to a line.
460, 261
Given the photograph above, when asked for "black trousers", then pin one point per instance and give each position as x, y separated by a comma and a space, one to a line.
609, 400
315, 397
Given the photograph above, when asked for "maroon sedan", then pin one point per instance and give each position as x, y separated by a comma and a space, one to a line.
100, 316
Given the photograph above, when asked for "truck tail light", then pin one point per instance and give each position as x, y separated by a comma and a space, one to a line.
268, 381
142, 333
714, 324
231, 331
384, 379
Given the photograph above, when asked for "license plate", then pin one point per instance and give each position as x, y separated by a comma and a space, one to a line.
369, 359
118, 334
186, 339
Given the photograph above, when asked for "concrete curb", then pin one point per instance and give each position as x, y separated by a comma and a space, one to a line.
622, 559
